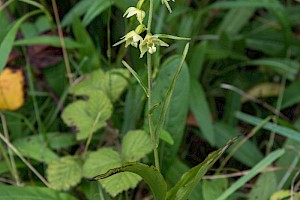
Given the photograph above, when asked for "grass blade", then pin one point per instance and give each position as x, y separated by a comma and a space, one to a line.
8, 41
253, 172
289, 133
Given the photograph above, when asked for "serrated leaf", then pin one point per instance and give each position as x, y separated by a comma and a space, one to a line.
64, 173
88, 116
100, 162
151, 176
190, 179
112, 83
34, 147
30, 193
135, 145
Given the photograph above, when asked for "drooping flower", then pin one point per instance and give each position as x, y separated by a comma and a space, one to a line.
148, 44
166, 2
131, 11
133, 37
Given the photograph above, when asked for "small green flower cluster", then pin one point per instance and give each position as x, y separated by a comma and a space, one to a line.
134, 38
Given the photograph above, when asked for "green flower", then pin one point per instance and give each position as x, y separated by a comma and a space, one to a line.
140, 14
148, 44
133, 37
166, 2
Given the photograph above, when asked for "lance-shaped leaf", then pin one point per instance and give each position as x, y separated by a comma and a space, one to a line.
151, 176
190, 179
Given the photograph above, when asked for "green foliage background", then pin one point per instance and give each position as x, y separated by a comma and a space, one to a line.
241, 76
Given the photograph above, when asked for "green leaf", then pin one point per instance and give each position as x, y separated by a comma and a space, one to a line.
103, 160
35, 148
200, 108
177, 113
174, 173
88, 116
264, 187
151, 176
285, 67
78, 10
137, 77
289, 133
166, 136
8, 41
30, 193
253, 172
112, 83
190, 179
167, 99
135, 145
291, 94
196, 62
48, 40
88, 51
248, 154
96, 9
64, 173
214, 188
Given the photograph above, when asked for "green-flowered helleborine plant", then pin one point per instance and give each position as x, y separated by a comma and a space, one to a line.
148, 43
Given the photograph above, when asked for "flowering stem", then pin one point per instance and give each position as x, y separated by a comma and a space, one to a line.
153, 137
150, 17
149, 66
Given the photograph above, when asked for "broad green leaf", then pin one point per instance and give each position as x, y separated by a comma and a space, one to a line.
32, 193
88, 116
190, 179
196, 63
151, 176
167, 99
95, 9
8, 41
178, 108
253, 172
264, 187
64, 173
103, 160
112, 83
200, 108
289, 133
48, 40
35, 148
214, 188
135, 145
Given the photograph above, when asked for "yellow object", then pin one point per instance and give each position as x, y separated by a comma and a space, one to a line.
11, 89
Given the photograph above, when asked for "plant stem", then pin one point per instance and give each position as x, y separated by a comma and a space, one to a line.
149, 66
153, 137
150, 17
